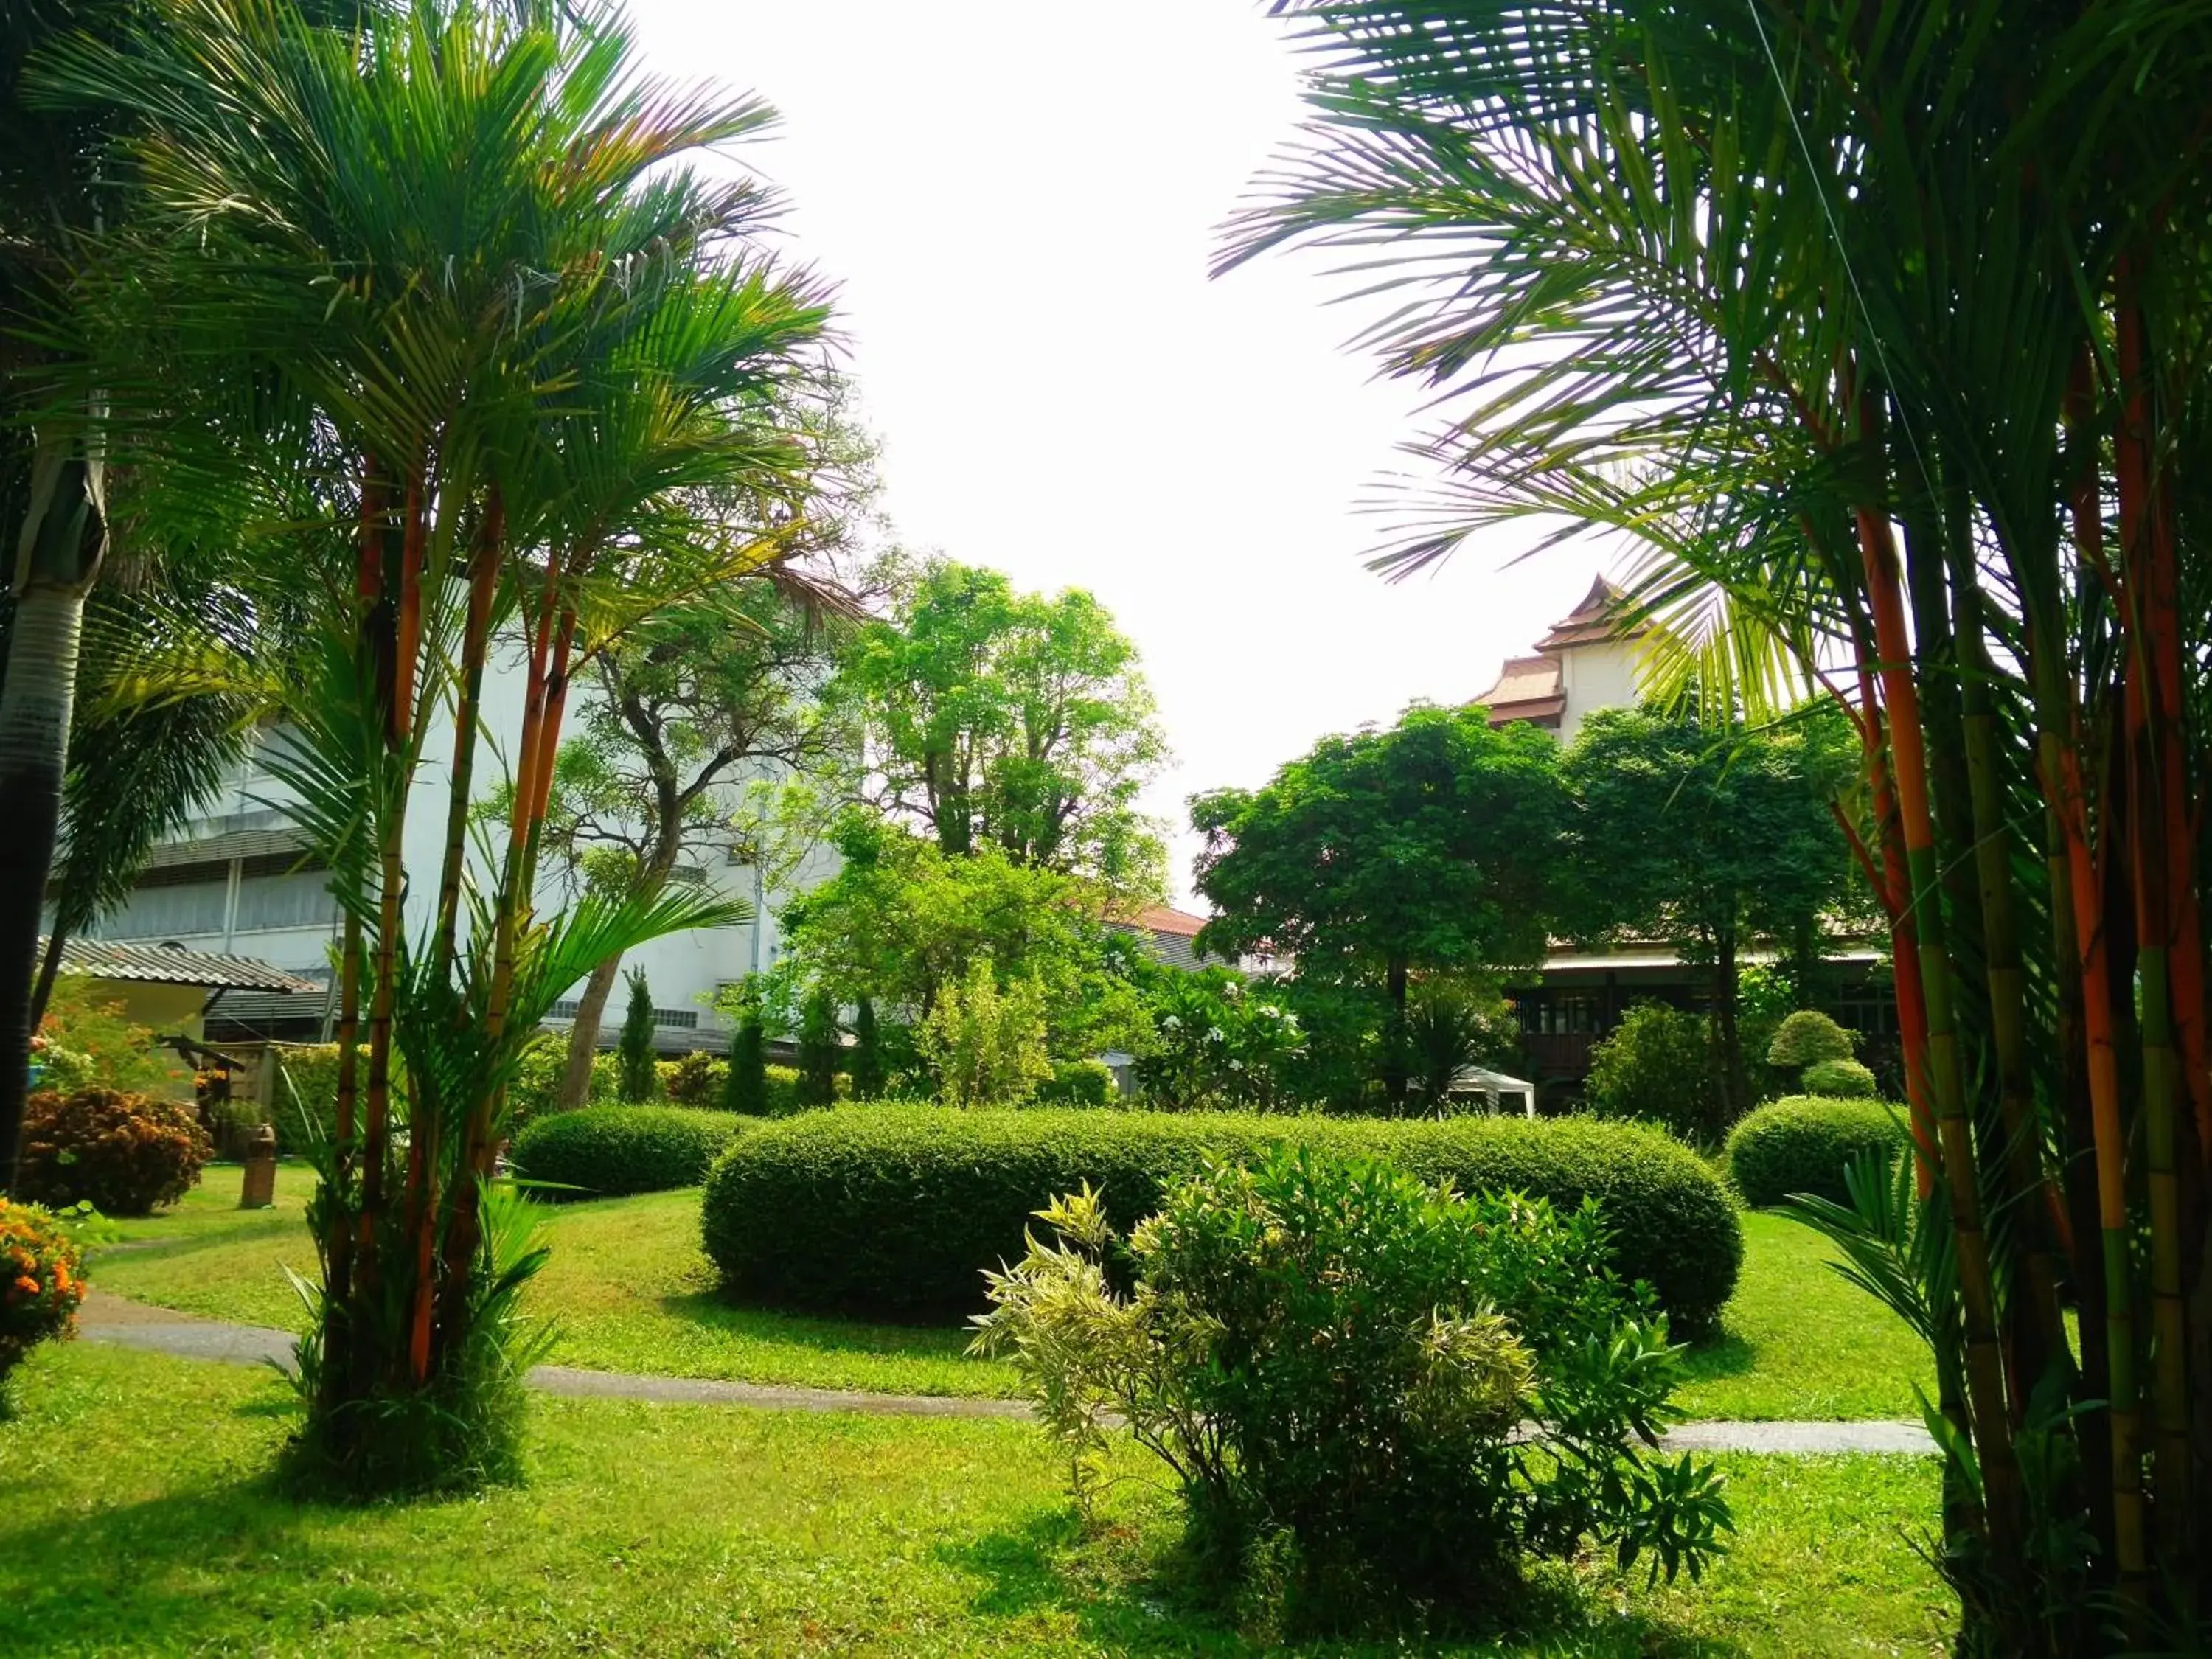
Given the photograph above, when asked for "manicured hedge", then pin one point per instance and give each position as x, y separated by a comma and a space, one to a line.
896, 1210
1804, 1143
609, 1150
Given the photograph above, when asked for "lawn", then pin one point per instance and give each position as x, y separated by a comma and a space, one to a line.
139, 1520
631, 1292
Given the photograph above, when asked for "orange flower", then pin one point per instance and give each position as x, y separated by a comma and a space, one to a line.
28, 1285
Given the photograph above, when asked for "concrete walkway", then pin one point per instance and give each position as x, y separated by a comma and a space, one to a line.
111, 1319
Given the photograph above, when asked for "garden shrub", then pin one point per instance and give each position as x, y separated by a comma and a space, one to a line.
1658, 1067
637, 1079
744, 1074
898, 1210
1337, 1360
607, 1151
41, 1282
1804, 1143
819, 1051
1077, 1083
122, 1154
306, 1114
985, 1042
1806, 1038
1841, 1080
696, 1079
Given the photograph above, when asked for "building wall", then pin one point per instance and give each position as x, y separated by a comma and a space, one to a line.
267, 908
1594, 676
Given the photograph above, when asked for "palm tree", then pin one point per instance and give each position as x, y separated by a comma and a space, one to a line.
1761, 286
452, 274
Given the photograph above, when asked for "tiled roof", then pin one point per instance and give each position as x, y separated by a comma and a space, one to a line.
165, 964
1594, 622
1161, 920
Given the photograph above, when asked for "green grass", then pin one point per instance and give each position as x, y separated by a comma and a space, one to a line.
629, 1290
1797, 1341
139, 1519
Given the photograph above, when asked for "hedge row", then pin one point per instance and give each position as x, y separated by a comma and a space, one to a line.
897, 1210
1805, 1143
606, 1150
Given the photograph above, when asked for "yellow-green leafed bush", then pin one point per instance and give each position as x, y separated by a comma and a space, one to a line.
1338, 1363
899, 1210
1804, 1143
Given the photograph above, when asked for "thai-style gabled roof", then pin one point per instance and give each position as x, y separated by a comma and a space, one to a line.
1596, 620
171, 964
1528, 689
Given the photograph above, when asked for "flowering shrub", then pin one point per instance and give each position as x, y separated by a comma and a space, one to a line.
42, 1280
122, 1154
1217, 1044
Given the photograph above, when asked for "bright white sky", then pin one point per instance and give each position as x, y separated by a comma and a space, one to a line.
1018, 199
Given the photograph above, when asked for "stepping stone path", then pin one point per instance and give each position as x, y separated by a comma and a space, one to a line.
127, 1324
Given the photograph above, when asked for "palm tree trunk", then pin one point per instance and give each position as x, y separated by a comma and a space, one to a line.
64, 536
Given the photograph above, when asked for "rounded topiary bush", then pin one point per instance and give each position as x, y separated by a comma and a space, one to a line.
1806, 1038
123, 1154
1804, 1143
1840, 1080
898, 1210
604, 1152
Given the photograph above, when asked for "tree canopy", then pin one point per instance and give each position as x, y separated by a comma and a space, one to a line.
1010, 720
1431, 846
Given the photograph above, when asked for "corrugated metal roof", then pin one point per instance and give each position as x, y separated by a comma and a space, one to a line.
164, 964
220, 849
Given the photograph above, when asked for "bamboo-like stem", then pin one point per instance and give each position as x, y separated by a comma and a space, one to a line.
1894, 890
1986, 1385
2149, 621
476, 644
2006, 978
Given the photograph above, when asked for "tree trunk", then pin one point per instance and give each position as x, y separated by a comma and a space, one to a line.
584, 1036
64, 536
1735, 1085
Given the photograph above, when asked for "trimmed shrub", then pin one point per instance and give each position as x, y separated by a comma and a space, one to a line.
818, 1051
1840, 1080
122, 1154
636, 1078
41, 1281
744, 1074
1078, 1083
869, 1073
607, 1151
1804, 1143
898, 1210
1806, 1038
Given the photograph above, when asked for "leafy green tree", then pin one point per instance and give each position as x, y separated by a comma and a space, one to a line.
635, 1051
868, 1077
903, 918
1657, 1066
700, 719
1430, 846
1708, 837
819, 1051
1010, 720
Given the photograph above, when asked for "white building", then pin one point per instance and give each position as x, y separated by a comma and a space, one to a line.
1583, 664
236, 884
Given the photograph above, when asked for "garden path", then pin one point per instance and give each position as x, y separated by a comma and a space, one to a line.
114, 1319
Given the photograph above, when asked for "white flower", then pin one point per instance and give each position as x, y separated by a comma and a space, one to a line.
1169, 1022
1213, 1034
1235, 1065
